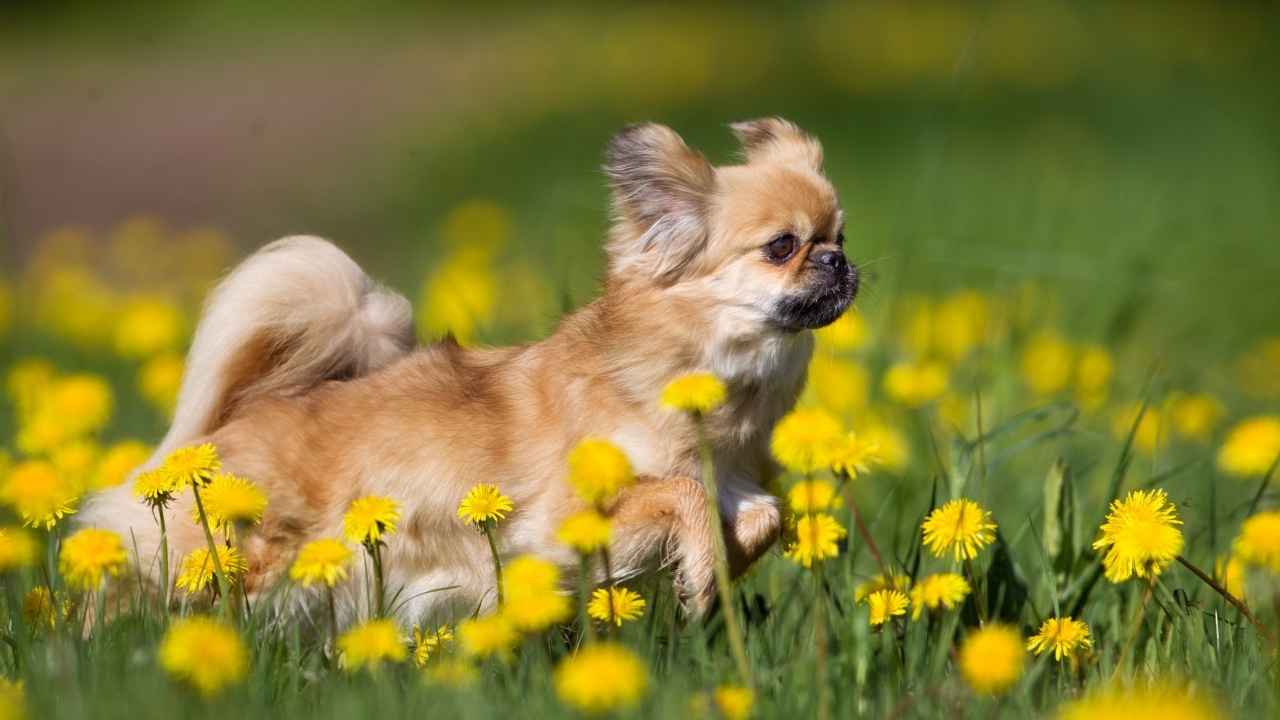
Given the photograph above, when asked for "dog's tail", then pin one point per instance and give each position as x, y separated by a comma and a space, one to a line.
296, 313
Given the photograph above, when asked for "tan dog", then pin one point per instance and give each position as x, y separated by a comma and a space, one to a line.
304, 376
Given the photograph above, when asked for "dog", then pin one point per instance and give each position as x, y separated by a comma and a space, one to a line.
304, 375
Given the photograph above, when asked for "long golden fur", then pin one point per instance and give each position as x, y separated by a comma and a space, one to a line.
303, 376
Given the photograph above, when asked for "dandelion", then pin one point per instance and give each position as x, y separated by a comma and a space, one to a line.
697, 393
13, 702
192, 466
1140, 536
371, 644
230, 500
155, 487
1150, 430
148, 325
1230, 572
27, 381
848, 332
39, 494
76, 461
854, 455
960, 527
806, 440
816, 538
1158, 701
426, 644
1251, 447
90, 555
880, 582
197, 572
892, 450
321, 561
733, 702
1259, 541
886, 604
1047, 362
71, 408
451, 672
598, 470
810, 496
616, 605
41, 610
1195, 415
940, 590
838, 385
915, 385
116, 464
484, 504
17, 549
531, 588
1064, 636
205, 653
1093, 376
586, 531
370, 518
600, 678
992, 658
159, 380
487, 636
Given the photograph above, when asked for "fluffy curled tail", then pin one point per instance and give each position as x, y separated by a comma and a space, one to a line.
297, 312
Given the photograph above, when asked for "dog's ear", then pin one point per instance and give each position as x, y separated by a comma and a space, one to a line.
779, 140
661, 189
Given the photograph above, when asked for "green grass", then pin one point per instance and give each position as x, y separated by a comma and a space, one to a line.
1139, 197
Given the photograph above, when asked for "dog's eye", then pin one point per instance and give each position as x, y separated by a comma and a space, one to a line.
781, 247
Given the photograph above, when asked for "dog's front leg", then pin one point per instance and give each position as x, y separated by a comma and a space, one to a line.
752, 523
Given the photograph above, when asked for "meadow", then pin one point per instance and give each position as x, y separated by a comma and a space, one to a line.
1069, 323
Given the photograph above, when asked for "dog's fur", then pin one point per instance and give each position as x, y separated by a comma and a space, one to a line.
302, 374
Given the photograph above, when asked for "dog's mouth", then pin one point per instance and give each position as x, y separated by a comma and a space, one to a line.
817, 306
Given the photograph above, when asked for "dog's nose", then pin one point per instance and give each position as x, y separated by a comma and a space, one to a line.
833, 259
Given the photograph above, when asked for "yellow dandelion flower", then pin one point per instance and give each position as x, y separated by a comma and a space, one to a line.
616, 605
13, 700
90, 555
155, 487
992, 659
369, 518
1093, 377
321, 561
230, 500
116, 464
916, 384
371, 644
451, 672
806, 440
1251, 447
17, 549
961, 323
960, 527
1259, 370
159, 380
598, 470
1259, 541
810, 496
72, 407
697, 393
855, 454
586, 531
837, 384
600, 678
940, 590
531, 589
1064, 636
886, 604
27, 381
194, 465
76, 462
1229, 572
848, 332
205, 653
1195, 415
734, 702
892, 450
484, 504
148, 325
1158, 701
1046, 363
196, 573
459, 297
39, 495
1140, 536
816, 539
1151, 426
428, 643
880, 582
487, 636
44, 611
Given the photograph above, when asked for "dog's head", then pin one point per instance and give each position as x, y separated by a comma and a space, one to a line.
763, 238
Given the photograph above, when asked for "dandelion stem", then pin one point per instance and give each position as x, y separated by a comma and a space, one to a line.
379, 582
608, 583
333, 618
497, 562
820, 642
164, 561
584, 589
863, 531
213, 554
723, 579
1236, 602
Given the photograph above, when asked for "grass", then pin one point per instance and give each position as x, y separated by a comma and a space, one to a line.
1137, 202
